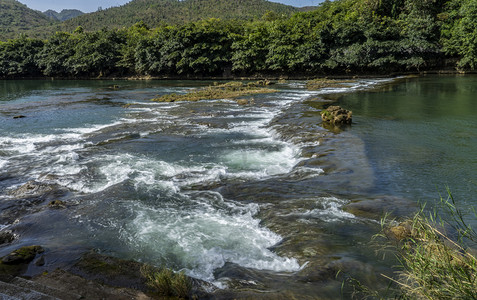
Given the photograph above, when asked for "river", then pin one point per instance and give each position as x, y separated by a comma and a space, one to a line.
255, 198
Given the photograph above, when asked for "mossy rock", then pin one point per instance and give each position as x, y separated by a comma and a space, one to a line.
336, 115
32, 189
321, 83
57, 204
229, 90
22, 255
123, 273
242, 101
16, 263
401, 231
110, 270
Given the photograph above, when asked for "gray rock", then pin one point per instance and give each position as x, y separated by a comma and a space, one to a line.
12, 291
32, 189
44, 289
22, 255
6, 237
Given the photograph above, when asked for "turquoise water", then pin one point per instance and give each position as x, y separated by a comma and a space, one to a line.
253, 199
421, 136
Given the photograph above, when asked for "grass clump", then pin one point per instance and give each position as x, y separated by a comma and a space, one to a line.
321, 83
229, 90
167, 283
436, 255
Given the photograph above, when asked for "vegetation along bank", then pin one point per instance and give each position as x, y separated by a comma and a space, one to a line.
341, 37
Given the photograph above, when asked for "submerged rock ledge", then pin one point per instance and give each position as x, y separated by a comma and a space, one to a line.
94, 276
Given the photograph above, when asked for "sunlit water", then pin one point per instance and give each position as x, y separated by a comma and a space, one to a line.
241, 196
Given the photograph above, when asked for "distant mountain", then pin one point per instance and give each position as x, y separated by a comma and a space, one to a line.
307, 8
16, 18
64, 15
156, 12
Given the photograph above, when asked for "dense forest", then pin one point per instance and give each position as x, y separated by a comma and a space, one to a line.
17, 18
64, 15
339, 37
174, 12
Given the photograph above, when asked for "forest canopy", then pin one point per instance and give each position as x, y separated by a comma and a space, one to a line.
339, 37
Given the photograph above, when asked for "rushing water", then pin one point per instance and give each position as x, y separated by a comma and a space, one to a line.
250, 198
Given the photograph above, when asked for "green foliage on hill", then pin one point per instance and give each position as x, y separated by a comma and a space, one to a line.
158, 12
64, 15
339, 37
16, 18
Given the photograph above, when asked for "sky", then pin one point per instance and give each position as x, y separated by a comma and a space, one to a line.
93, 5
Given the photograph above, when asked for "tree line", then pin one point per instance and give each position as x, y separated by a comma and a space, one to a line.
339, 37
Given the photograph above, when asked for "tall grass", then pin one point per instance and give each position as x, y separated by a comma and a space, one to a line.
436, 253
167, 283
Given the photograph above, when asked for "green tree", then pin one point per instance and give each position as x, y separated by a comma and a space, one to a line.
207, 47
56, 51
459, 32
96, 54
18, 57
249, 49
132, 37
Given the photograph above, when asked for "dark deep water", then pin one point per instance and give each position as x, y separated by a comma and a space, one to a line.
251, 198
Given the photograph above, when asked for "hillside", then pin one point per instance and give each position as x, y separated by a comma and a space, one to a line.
156, 12
341, 37
16, 18
307, 8
64, 15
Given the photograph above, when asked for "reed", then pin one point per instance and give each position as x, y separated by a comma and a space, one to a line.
167, 283
436, 255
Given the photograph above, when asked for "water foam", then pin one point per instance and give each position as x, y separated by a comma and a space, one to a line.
3, 163
264, 162
202, 239
81, 131
24, 144
197, 231
328, 209
354, 86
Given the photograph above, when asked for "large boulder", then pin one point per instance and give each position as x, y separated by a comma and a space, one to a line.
336, 115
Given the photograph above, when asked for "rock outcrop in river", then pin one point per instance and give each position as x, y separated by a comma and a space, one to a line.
337, 115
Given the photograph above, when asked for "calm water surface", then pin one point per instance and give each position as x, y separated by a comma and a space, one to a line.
251, 198
421, 136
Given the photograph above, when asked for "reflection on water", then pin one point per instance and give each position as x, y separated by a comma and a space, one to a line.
421, 136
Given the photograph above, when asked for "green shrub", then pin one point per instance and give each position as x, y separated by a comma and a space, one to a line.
167, 283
